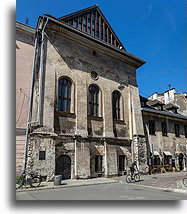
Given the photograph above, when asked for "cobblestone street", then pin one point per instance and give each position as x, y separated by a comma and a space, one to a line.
164, 180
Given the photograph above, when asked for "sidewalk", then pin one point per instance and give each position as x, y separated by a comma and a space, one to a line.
70, 183
166, 181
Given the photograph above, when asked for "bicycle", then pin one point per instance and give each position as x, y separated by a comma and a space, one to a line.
135, 177
31, 179
184, 180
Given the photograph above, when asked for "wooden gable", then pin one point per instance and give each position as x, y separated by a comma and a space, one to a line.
92, 21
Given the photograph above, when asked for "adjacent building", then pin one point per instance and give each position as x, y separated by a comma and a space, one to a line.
166, 133
24, 61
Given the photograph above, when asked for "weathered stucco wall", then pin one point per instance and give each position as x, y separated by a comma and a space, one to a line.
170, 142
75, 60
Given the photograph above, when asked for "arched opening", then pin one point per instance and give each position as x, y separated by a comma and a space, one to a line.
63, 166
64, 94
116, 105
93, 100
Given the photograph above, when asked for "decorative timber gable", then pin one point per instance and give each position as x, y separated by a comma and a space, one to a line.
92, 21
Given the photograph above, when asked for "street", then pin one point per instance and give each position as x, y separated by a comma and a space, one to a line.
113, 191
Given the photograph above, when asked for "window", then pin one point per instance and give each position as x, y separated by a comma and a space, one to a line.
98, 163
93, 100
164, 129
185, 131
116, 104
64, 95
41, 155
151, 127
176, 130
121, 162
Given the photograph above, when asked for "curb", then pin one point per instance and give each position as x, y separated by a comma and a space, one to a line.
63, 186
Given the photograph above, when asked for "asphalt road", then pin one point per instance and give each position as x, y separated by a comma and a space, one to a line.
115, 191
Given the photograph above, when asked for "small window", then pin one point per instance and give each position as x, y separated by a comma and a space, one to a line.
98, 163
116, 104
93, 100
94, 75
164, 129
151, 127
41, 155
177, 130
185, 131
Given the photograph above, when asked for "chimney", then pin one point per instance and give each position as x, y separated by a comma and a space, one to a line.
169, 96
155, 95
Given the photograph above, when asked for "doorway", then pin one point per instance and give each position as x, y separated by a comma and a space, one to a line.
63, 166
181, 161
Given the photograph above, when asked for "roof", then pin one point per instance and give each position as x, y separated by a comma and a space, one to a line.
155, 103
24, 27
92, 21
170, 106
165, 113
137, 61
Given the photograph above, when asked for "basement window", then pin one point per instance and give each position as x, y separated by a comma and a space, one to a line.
41, 155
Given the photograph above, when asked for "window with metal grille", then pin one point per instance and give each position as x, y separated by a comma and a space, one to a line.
98, 163
64, 95
116, 104
177, 130
93, 100
151, 127
164, 129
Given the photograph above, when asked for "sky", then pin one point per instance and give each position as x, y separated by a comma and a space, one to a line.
150, 29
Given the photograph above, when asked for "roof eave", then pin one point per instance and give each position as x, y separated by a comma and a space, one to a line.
139, 61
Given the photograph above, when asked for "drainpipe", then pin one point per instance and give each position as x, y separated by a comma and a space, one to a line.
31, 93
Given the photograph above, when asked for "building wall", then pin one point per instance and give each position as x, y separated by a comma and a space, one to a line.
158, 142
24, 61
66, 57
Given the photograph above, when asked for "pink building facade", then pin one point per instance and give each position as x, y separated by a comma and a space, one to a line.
24, 60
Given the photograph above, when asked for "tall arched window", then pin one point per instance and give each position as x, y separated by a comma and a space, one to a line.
93, 100
116, 104
64, 94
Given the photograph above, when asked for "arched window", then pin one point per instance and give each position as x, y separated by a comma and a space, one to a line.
116, 104
64, 94
93, 100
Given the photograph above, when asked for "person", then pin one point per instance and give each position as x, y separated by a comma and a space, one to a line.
133, 168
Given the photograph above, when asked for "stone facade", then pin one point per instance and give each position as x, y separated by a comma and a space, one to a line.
83, 146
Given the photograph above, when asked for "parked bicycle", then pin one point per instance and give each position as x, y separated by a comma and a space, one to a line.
184, 182
133, 178
32, 179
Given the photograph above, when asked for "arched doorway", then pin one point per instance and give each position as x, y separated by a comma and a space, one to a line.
63, 167
181, 161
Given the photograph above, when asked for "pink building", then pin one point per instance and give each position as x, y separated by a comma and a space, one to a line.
24, 60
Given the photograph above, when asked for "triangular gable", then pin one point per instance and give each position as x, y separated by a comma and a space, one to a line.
92, 21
